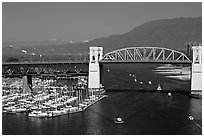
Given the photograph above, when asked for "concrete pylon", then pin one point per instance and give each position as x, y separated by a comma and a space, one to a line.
27, 84
196, 72
96, 54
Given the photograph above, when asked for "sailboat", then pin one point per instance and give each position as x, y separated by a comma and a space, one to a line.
159, 87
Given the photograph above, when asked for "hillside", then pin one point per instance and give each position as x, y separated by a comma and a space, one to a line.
169, 33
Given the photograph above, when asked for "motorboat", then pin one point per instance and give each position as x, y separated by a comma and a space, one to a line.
150, 82
169, 94
119, 120
191, 118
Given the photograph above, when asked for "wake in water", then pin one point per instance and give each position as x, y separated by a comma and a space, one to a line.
115, 112
118, 107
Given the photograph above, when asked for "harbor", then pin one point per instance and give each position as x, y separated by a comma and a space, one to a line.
139, 111
48, 99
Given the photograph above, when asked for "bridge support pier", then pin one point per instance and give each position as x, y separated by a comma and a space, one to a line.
96, 54
27, 84
196, 72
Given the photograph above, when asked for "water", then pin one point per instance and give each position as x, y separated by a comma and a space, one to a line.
118, 77
143, 113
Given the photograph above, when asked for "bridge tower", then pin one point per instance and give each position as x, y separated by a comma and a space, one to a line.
196, 72
96, 54
27, 83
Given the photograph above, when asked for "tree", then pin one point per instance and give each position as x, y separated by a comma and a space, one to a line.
12, 59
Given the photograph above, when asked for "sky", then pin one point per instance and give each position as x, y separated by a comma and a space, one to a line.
77, 22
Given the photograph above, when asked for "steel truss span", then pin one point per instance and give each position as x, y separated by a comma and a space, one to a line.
44, 69
146, 54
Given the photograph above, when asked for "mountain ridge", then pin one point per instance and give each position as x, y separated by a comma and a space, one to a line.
169, 33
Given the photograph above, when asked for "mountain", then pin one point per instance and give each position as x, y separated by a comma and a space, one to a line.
169, 33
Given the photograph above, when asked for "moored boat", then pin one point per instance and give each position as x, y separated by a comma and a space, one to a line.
39, 114
20, 110
9, 112
9, 108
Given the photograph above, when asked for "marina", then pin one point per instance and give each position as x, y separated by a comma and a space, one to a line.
148, 113
50, 101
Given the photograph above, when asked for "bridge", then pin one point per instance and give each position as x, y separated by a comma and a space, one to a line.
91, 67
146, 55
74, 67
80, 67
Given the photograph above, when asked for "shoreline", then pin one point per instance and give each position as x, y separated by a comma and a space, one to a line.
100, 98
75, 111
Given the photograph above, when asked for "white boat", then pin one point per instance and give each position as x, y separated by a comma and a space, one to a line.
119, 120
159, 87
39, 114
169, 94
34, 108
150, 82
73, 109
69, 106
191, 118
20, 110
82, 106
63, 111
9, 112
11, 108
57, 112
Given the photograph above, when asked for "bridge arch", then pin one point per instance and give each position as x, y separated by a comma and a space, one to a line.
146, 54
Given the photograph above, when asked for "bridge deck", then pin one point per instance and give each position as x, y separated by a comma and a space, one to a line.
145, 61
46, 62
102, 61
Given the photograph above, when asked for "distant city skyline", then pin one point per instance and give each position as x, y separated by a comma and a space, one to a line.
82, 21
